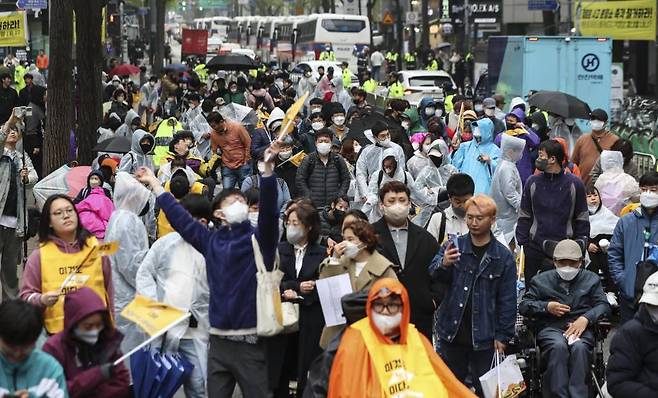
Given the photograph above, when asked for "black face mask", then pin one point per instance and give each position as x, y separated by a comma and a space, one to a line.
146, 148
336, 217
510, 126
437, 160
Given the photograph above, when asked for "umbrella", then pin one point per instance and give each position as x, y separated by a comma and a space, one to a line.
65, 180
177, 67
360, 128
179, 369
240, 113
118, 144
158, 375
561, 104
124, 69
232, 61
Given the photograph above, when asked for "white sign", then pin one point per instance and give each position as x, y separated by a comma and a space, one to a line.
412, 18
330, 291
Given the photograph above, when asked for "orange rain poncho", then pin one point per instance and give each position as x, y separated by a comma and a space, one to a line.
365, 357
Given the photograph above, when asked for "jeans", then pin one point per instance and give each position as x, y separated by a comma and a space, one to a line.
461, 358
10, 252
195, 385
230, 362
232, 176
567, 368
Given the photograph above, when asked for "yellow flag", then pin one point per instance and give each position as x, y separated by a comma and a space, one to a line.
151, 316
288, 121
297, 159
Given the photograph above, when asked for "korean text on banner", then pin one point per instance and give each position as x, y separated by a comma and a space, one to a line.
13, 29
621, 20
151, 316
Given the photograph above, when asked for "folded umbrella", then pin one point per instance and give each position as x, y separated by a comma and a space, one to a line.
232, 61
561, 104
118, 144
138, 363
124, 69
178, 369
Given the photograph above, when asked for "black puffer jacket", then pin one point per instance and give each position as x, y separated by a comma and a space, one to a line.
322, 183
633, 364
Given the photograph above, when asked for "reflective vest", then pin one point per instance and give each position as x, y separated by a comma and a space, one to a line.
392, 56
370, 85
56, 266
163, 136
447, 103
396, 90
347, 78
434, 65
403, 370
327, 56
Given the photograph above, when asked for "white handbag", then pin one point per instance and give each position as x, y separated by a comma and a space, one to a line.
269, 313
290, 316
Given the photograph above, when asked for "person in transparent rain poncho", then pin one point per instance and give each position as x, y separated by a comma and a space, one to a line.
131, 200
432, 180
506, 187
616, 187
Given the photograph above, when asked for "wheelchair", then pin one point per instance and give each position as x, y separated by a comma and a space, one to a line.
532, 364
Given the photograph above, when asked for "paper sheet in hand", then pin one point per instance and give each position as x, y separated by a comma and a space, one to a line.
331, 290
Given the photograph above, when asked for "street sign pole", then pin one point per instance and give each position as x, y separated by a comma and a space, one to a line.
467, 28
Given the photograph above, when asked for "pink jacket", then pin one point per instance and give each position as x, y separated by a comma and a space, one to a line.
95, 211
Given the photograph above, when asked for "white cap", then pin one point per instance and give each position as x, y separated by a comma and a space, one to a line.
650, 291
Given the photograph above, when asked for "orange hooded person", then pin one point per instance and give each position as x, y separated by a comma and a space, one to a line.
383, 355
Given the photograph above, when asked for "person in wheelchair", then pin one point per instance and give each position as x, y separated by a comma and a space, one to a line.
565, 304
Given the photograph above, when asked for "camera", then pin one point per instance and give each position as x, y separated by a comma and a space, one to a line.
22, 111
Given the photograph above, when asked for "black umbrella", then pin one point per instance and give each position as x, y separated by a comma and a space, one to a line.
561, 104
232, 61
114, 145
367, 122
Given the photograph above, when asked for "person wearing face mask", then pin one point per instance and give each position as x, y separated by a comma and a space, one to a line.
565, 304
87, 348
632, 232
553, 208
632, 368
515, 127
234, 95
140, 153
148, 95
201, 130
426, 109
341, 95
421, 144
322, 176
489, 111
94, 179
589, 147
305, 85
119, 104
262, 137
193, 110
602, 224
355, 255
132, 122
331, 219
301, 255
236, 353
383, 337
311, 126
617, 188
565, 128
338, 123
539, 125
479, 157
411, 248
359, 101
96, 208
473, 271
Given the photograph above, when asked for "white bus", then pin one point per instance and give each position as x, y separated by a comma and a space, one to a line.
347, 34
216, 26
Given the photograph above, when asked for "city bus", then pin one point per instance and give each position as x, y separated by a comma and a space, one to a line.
347, 35
286, 34
216, 26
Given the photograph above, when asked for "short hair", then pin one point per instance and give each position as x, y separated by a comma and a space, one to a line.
395, 187
197, 205
324, 132
625, 147
399, 105
649, 179
344, 198
378, 127
207, 105
360, 92
309, 216
460, 184
253, 196
365, 232
20, 322
215, 117
483, 203
316, 101
553, 148
28, 76
223, 195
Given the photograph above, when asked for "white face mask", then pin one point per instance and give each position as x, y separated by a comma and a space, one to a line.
535, 127
478, 108
405, 125
489, 112
567, 273
438, 113
338, 120
386, 323
415, 146
253, 218
294, 234
592, 209
351, 249
396, 213
323, 148
88, 336
317, 125
120, 98
152, 84
357, 148
649, 200
236, 212
426, 148
285, 155
385, 143
597, 125
569, 121
430, 111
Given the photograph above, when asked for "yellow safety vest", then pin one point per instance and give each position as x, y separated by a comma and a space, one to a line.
327, 56
402, 369
408, 57
347, 78
369, 86
391, 56
434, 65
447, 103
56, 266
164, 227
396, 90
163, 136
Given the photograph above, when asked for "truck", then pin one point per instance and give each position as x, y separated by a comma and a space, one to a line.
576, 65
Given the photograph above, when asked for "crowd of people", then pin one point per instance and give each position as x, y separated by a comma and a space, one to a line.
427, 209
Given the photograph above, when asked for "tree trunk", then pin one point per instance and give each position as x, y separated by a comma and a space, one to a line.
60, 86
158, 61
425, 25
89, 58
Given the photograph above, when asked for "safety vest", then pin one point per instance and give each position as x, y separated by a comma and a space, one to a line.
391, 56
56, 266
402, 369
347, 78
327, 56
370, 85
163, 136
164, 227
434, 65
410, 60
447, 102
19, 73
396, 90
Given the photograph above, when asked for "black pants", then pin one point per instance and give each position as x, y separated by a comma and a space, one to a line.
535, 261
461, 358
567, 368
627, 309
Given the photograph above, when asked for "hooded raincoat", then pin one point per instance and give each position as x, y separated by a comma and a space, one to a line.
506, 187
616, 187
527, 162
559, 128
81, 361
341, 95
126, 227
370, 162
516, 101
363, 353
136, 158
421, 111
126, 129
466, 157
415, 126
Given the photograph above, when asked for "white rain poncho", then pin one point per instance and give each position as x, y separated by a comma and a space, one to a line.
200, 127
616, 187
370, 162
602, 222
506, 187
341, 95
164, 277
126, 227
126, 129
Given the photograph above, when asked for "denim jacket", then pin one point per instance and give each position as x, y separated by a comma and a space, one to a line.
493, 298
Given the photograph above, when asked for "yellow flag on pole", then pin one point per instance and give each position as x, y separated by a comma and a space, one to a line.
291, 114
153, 317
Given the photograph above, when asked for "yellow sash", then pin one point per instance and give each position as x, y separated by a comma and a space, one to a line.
164, 227
402, 370
56, 266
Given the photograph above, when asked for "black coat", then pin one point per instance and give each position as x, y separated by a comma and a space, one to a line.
633, 364
322, 183
8, 101
287, 172
421, 249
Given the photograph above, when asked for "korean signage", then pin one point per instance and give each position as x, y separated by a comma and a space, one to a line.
480, 11
13, 32
547, 5
622, 20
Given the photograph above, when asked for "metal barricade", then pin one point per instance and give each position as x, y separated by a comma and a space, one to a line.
645, 162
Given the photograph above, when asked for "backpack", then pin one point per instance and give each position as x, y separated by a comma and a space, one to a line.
380, 177
442, 226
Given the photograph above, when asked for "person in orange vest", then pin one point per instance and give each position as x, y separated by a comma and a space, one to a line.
42, 63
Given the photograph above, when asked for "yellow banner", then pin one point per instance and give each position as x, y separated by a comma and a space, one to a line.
621, 20
151, 316
13, 29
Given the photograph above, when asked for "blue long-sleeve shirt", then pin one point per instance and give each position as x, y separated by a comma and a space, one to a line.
229, 256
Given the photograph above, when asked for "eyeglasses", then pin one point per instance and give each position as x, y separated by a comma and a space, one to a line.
393, 308
63, 213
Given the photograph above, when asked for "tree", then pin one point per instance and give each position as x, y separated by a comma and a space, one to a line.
60, 86
158, 58
89, 59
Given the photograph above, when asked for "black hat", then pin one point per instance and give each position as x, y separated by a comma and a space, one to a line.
599, 114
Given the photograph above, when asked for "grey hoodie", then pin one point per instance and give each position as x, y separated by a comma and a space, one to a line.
136, 158
126, 129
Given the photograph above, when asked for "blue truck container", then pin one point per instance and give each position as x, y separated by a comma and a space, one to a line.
576, 65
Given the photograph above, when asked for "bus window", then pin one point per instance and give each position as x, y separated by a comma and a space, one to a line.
343, 25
